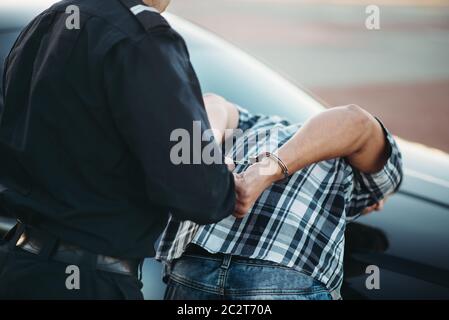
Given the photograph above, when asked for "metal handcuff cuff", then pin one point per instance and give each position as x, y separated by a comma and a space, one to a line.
254, 159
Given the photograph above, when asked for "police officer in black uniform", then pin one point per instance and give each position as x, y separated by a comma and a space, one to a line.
85, 150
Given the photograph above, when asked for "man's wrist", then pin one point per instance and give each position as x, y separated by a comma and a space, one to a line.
270, 170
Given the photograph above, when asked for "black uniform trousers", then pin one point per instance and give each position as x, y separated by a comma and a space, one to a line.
27, 276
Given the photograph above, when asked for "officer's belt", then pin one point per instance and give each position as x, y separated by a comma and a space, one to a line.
41, 244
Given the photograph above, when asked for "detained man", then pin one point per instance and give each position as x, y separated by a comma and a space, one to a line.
286, 237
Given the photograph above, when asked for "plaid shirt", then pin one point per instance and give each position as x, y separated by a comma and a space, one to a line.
299, 222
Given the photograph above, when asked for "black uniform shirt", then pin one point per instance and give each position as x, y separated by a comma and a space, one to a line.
85, 130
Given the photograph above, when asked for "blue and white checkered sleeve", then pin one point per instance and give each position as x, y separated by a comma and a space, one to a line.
246, 119
371, 188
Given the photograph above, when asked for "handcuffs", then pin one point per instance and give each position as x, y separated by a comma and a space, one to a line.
254, 159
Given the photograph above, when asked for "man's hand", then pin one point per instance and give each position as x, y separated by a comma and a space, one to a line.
375, 207
250, 184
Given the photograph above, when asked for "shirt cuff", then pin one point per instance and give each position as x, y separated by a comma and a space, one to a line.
389, 178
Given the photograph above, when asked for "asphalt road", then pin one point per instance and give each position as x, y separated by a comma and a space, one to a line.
400, 72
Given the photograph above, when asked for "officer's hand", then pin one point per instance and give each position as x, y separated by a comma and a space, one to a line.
249, 185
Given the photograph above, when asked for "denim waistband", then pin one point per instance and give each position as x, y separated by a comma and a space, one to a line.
194, 250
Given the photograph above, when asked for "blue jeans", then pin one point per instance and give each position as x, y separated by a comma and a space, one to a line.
198, 277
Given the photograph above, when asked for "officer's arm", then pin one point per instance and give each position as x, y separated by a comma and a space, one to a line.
153, 91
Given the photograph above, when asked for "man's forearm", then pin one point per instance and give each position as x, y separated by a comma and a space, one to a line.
222, 115
339, 132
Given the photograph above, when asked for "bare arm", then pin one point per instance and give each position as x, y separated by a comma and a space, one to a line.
222, 115
348, 132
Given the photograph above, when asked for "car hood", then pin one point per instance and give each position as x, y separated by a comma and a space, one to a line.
426, 172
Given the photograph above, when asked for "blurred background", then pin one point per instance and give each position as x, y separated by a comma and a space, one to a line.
399, 73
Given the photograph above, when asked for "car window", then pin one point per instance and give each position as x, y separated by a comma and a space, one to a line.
248, 83
225, 70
